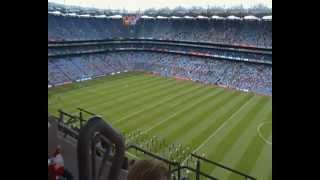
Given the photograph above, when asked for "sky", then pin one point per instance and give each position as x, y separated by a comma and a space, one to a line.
133, 5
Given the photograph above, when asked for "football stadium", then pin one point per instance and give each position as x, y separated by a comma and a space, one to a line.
188, 88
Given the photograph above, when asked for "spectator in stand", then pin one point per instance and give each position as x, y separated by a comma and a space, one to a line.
148, 170
56, 169
56, 165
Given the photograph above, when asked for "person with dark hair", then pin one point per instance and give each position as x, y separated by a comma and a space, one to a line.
148, 170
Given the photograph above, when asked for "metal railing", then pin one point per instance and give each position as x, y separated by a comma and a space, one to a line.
199, 159
96, 124
174, 167
87, 145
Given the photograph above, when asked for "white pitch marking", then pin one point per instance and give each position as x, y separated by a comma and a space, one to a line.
260, 135
216, 132
225, 122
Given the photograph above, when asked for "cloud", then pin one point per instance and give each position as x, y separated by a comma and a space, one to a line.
145, 4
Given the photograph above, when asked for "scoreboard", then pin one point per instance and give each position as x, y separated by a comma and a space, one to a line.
130, 20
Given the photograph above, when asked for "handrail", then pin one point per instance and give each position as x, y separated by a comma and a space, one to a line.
131, 146
224, 167
194, 170
83, 110
172, 163
86, 135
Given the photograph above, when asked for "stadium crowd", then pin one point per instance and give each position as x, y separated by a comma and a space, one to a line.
239, 75
247, 33
223, 53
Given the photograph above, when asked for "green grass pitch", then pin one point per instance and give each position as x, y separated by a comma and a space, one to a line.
230, 127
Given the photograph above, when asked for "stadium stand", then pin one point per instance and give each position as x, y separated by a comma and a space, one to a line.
218, 51
239, 75
242, 75
247, 33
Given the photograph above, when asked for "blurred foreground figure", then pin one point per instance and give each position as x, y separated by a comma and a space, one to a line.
148, 170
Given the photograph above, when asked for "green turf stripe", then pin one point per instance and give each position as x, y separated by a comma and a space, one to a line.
156, 101
191, 119
263, 168
125, 89
217, 152
214, 121
107, 90
213, 129
162, 124
148, 119
64, 106
174, 133
125, 99
96, 89
152, 119
270, 175
89, 101
149, 107
249, 158
88, 84
245, 127
103, 86
70, 87
146, 99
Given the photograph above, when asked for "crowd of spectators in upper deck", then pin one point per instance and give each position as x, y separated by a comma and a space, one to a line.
247, 33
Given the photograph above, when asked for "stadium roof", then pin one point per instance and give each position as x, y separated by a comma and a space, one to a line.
147, 17
161, 17
216, 17
258, 11
175, 17
115, 17
118, 16
188, 17
159, 4
84, 15
100, 16
202, 17
56, 12
233, 17
267, 18
71, 14
251, 18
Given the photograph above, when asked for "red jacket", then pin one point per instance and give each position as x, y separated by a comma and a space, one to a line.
54, 169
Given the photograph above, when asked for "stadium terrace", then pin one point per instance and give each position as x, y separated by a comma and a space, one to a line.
190, 89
